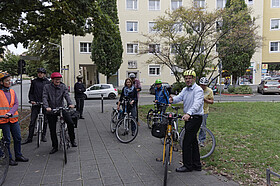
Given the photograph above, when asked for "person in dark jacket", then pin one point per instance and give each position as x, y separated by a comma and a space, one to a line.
35, 95
79, 89
53, 97
161, 95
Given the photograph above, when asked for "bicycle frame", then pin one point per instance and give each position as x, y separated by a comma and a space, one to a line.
168, 137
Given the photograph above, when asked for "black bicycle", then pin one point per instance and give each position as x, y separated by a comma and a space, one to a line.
127, 128
114, 119
63, 131
154, 115
4, 157
39, 123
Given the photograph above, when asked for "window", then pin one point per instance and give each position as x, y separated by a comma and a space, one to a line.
154, 70
219, 25
275, 3
274, 46
132, 64
151, 27
177, 27
85, 47
175, 4
131, 4
221, 4
250, 2
132, 26
105, 87
132, 48
154, 4
96, 87
154, 48
274, 24
199, 3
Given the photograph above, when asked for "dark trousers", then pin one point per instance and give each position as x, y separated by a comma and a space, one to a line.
14, 129
52, 119
191, 156
35, 110
136, 102
80, 105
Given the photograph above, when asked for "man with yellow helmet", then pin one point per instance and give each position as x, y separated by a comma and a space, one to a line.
193, 99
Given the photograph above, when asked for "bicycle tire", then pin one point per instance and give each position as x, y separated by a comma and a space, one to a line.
4, 162
149, 118
63, 138
209, 144
39, 130
124, 135
166, 162
114, 121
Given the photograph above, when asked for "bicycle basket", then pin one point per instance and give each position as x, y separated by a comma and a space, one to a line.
159, 129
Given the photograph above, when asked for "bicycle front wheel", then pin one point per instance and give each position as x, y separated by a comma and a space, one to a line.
114, 121
166, 162
127, 130
39, 130
208, 146
63, 141
4, 162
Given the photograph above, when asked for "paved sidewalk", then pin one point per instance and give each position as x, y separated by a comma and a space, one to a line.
100, 159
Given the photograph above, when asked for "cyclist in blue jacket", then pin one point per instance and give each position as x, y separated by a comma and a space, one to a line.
161, 95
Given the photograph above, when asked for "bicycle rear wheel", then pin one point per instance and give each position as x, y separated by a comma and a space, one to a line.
127, 130
63, 141
166, 162
149, 118
4, 162
209, 143
114, 121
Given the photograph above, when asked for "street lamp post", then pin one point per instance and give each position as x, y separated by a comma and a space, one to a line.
60, 63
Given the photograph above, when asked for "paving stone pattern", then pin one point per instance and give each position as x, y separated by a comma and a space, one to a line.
101, 160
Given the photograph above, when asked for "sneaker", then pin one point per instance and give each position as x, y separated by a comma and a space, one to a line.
12, 162
54, 150
26, 141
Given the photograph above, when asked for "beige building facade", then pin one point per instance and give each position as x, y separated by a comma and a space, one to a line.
136, 18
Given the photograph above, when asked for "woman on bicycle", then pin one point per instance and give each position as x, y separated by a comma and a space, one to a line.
10, 124
161, 96
129, 91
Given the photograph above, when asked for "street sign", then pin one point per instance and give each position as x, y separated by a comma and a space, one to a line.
64, 69
32, 58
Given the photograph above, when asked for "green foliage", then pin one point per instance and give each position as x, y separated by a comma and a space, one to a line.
106, 45
178, 86
231, 89
238, 46
41, 20
243, 89
10, 64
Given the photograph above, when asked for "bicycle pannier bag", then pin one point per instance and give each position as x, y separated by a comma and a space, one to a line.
159, 130
75, 115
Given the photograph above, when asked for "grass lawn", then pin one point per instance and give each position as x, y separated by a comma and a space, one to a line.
248, 140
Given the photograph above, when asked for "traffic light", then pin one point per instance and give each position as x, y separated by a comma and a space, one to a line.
21, 66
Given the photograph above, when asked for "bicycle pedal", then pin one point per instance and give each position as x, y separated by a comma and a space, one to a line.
159, 159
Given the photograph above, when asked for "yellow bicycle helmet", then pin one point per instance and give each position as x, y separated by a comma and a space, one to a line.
4, 75
189, 73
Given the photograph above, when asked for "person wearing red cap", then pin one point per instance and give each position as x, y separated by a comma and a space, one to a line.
53, 97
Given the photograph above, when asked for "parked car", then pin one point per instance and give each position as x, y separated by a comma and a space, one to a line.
165, 84
269, 86
96, 90
18, 80
13, 81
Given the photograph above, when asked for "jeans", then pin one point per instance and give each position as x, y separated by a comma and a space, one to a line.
202, 133
191, 156
35, 110
13, 128
52, 119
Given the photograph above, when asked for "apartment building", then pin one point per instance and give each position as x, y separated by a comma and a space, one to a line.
137, 17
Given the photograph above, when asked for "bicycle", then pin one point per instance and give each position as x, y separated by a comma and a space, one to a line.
114, 119
4, 157
39, 123
208, 146
154, 115
127, 128
168, 141
63, 134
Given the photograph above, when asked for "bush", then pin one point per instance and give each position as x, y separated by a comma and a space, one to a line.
231, 89
177, 87
243, 89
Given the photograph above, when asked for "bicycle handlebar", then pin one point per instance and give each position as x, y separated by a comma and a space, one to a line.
61, 109
37, 103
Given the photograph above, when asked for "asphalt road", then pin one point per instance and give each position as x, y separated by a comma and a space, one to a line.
146, 98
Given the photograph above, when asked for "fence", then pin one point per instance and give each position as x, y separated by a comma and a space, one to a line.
268, 173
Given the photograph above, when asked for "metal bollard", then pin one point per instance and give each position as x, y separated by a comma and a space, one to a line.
101, 103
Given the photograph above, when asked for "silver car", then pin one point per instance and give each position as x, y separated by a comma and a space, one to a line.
269, 86
96, 90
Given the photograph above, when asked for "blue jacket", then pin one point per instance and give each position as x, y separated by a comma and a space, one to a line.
162, 95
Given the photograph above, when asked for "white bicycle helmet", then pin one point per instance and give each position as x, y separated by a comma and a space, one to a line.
131, 75
203, 81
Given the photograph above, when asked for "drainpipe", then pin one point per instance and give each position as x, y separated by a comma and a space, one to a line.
74, 64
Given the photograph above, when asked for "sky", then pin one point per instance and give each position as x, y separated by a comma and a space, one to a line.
19, 50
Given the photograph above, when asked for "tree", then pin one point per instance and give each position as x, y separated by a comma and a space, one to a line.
106, 45
41, 20
238, 46
10, 64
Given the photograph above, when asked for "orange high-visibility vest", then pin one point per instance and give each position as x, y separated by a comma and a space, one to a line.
5, 107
